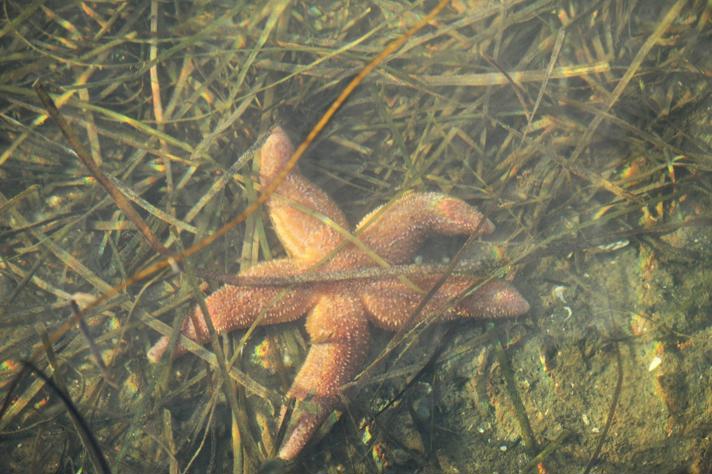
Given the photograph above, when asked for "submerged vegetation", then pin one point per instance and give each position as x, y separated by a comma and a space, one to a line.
581, 128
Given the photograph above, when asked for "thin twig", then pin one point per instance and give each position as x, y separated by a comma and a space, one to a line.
78, 147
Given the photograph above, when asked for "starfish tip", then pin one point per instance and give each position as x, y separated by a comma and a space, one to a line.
155, 353
455, 214
507, 301
275, 151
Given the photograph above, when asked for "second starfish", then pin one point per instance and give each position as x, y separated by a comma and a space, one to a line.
311, 227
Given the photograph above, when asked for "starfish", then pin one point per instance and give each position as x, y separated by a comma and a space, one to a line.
308, 223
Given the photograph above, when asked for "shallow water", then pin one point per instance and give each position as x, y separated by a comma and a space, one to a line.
595, 173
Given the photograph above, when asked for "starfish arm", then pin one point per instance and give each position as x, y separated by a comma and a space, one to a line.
303, 236
338, 330
234, 307
396, 232
390, 303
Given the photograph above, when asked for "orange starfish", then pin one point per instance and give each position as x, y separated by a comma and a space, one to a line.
307, 222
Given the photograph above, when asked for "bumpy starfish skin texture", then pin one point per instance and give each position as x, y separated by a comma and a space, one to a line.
307, 222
